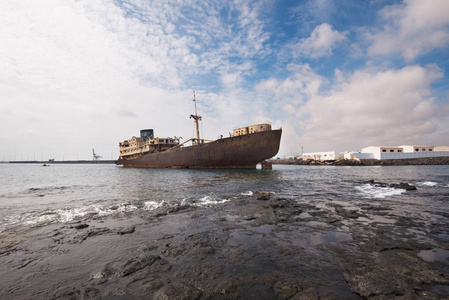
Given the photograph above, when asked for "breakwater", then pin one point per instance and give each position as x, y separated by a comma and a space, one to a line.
60, 162
366, 162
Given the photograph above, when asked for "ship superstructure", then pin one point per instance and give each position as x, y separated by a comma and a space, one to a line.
145, 144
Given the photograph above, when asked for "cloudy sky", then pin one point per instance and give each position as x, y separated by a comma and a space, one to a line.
335, 75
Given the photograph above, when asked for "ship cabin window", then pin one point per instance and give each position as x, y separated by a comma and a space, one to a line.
391, 150
399, 150
430, 149
423, 149
383, 150
416, 149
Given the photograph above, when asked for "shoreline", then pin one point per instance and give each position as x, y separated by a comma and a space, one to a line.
301, 162
59, 162
366, 162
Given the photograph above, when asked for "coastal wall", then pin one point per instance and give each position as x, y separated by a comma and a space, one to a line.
404, 155
366, 162
60, 162
413, 155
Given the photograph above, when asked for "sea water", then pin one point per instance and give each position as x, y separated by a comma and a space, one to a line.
104, 231
34, 196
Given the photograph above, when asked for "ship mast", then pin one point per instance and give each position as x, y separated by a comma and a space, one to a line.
196, 118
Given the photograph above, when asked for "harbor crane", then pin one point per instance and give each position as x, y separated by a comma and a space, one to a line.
95, 156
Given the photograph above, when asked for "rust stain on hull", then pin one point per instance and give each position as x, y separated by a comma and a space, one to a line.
243, 152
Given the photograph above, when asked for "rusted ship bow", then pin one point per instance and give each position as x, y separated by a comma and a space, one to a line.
247, 147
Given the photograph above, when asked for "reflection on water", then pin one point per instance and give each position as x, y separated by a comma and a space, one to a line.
316, 238
434, 254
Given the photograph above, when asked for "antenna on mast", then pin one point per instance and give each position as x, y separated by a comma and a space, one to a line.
196, 118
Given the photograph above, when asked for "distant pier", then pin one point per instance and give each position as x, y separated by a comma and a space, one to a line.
60, 162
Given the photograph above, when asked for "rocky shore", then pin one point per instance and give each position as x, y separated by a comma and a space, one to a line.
366, 162
255, 247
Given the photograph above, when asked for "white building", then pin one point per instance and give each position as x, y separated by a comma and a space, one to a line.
329, 155
382, 149
357, 155
441, 148
400, 152
417, 148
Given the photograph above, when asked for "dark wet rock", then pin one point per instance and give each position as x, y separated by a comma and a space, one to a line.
133, 265
202, 250
126, 230
244, 249
153, 285
348, 214
281, 203
380, 280
377, 184
404, 186
333, 221
62, 236
166, 237
174, 291
409, 222
161, 266
177, 208
81, 226
161, 214
375, 208
90, 233
263, 196
287, 288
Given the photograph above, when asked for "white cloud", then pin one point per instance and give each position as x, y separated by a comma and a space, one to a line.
321, 41
367, 107
382, 107
73, 72
413, 28
81, 74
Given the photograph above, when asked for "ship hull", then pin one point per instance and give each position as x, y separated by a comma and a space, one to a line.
244, 151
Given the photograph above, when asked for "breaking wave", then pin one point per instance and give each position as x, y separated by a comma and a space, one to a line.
427, 183
151, 205
66, 215
207, 201
370, 191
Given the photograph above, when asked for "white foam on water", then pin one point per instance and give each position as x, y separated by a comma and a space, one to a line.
207, 201
151, 205
427, 183
248, 193
30, 219
68, 215
370, 191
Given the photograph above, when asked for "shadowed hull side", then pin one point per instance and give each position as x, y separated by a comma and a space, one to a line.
244, 151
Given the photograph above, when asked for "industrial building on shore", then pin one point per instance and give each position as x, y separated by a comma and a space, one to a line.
382, 153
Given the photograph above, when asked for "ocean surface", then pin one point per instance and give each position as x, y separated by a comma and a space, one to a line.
319, 232
34, 196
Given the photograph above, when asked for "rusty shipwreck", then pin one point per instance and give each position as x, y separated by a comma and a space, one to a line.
247, 147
